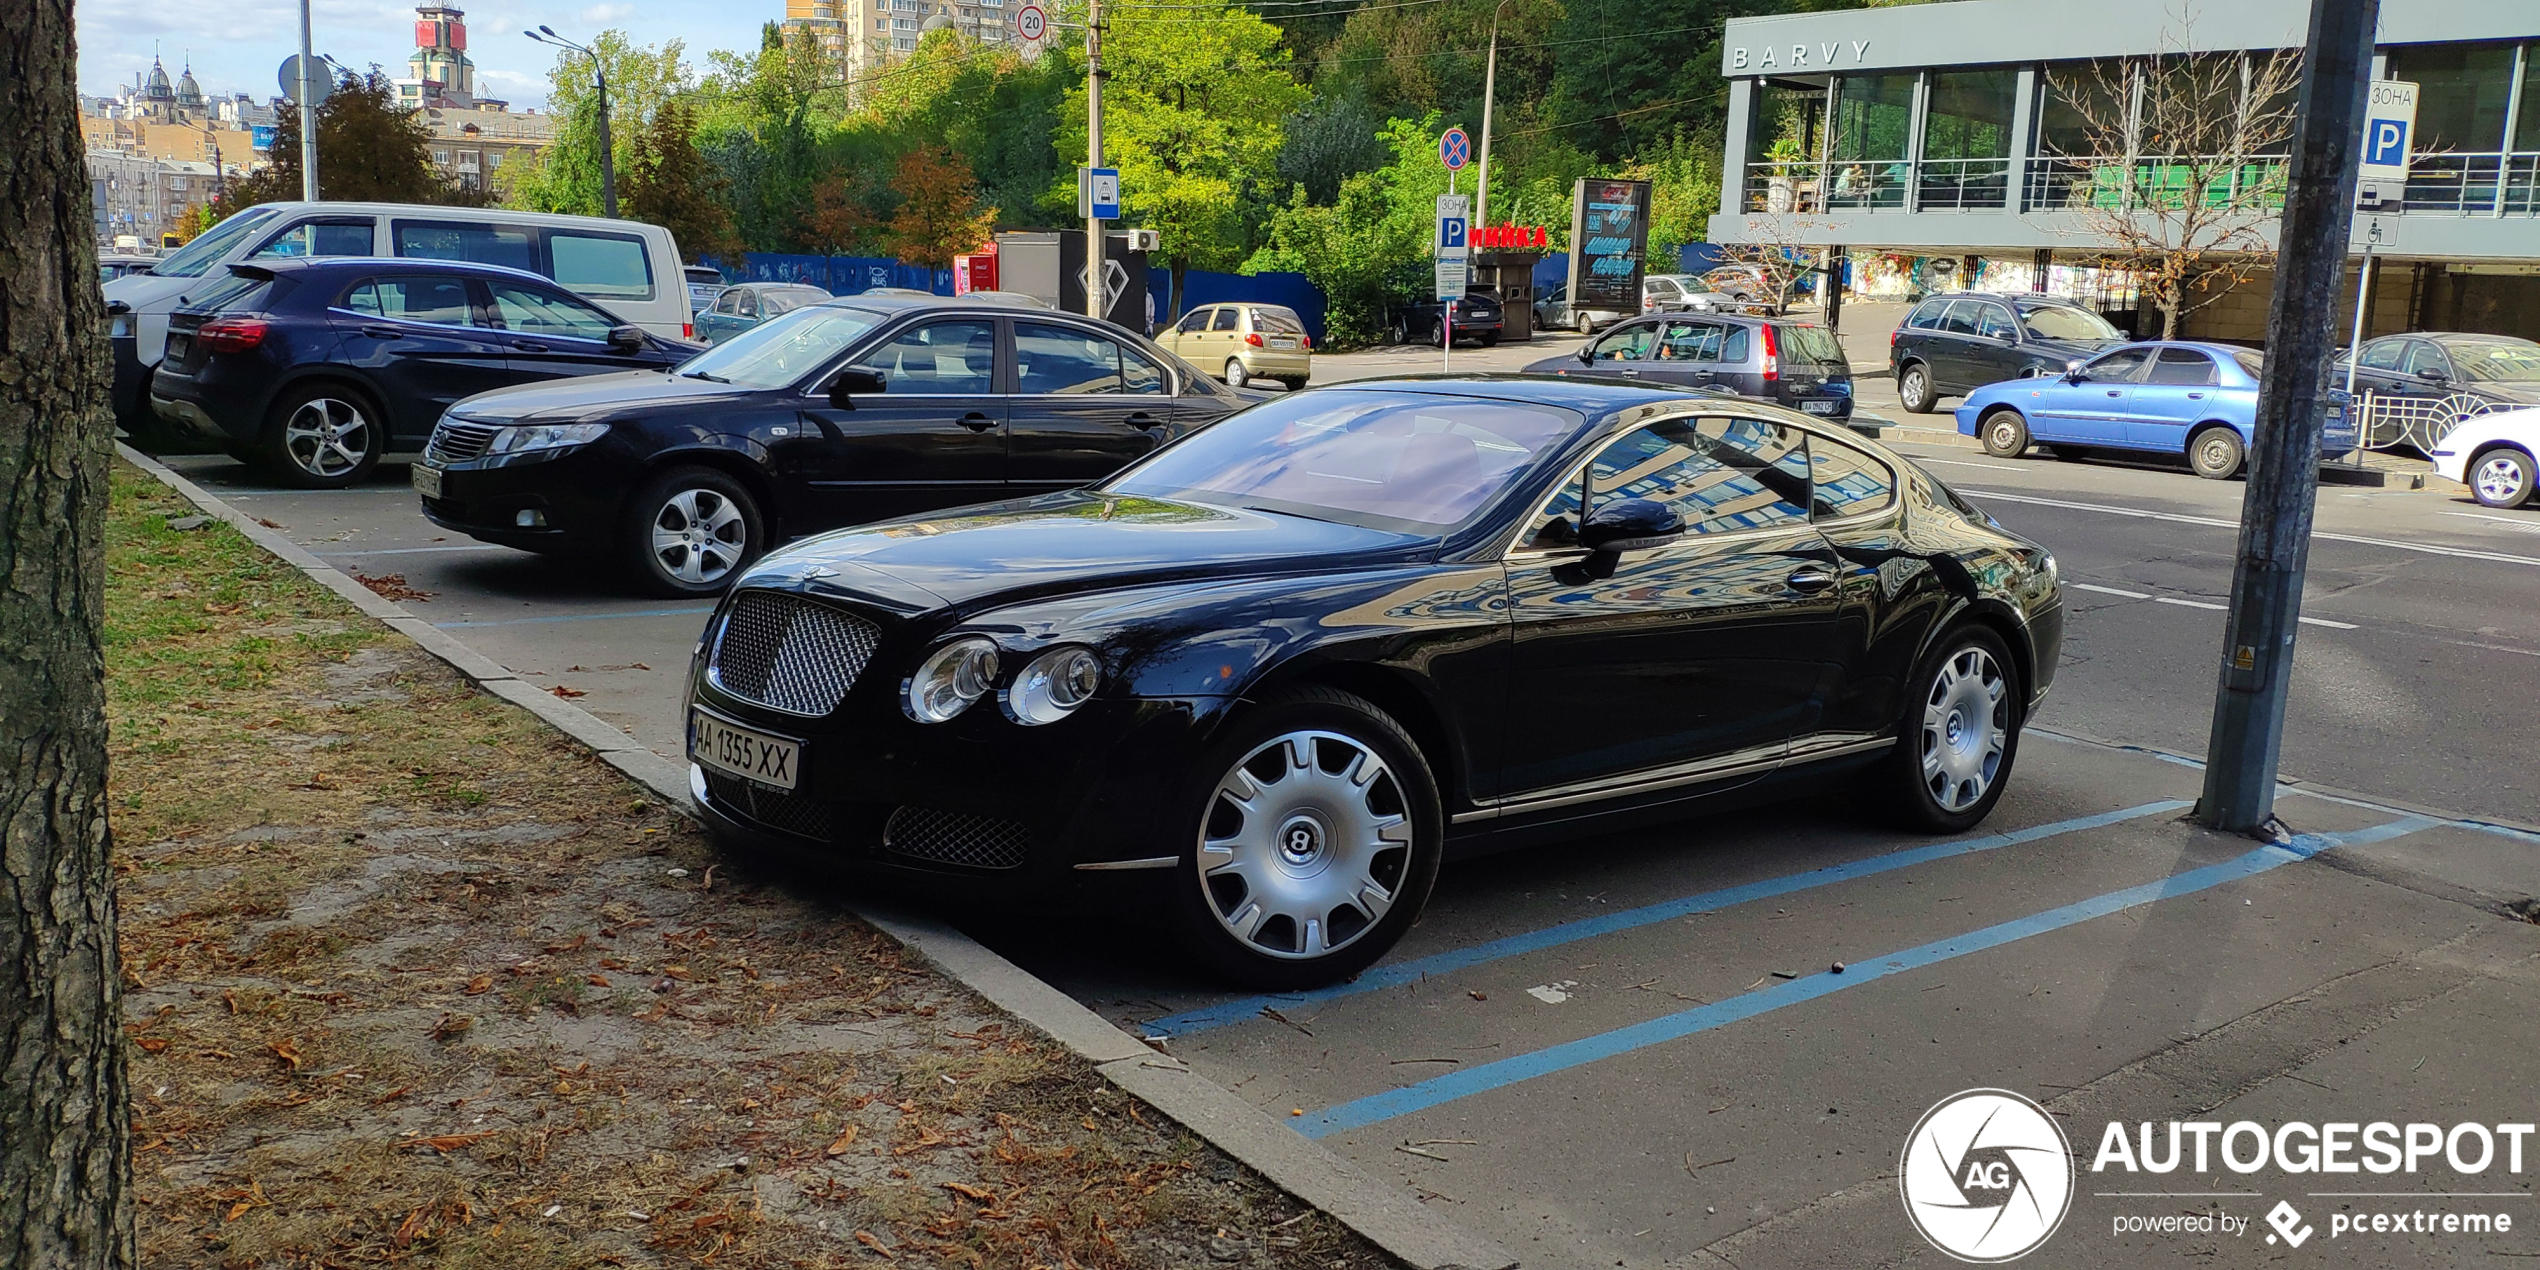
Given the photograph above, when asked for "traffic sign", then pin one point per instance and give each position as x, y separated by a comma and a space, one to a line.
1452, 278
321, 81
1455, 149
1031, 22
1098, 193
2390, 115
1454, 239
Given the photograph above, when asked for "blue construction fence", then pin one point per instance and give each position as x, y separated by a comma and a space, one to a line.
837, 275
1200, 286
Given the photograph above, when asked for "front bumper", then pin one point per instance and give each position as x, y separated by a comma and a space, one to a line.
571, 495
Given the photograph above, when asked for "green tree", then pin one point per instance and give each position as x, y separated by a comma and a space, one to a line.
370, 149
1369, 249
565, 177
668, 183
762, 116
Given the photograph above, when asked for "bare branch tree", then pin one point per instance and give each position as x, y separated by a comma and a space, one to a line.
2184, 167
1777, 253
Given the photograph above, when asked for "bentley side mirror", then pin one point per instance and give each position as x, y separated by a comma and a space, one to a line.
626, 339
852, 380
1631, 524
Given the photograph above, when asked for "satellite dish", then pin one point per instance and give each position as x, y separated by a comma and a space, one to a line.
317, 88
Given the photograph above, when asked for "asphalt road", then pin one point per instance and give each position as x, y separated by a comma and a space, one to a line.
1588, 1050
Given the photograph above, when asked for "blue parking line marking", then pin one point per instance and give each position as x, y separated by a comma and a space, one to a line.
1398, 973
578, 617
1377, 1108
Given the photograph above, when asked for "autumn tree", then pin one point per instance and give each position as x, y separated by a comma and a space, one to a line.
939, 215
370, 149
65, 1137
669, 184
841, 221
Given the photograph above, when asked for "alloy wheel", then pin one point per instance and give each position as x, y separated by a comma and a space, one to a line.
699, 536
1966, 727
1305, 845
2499, 480
327, 437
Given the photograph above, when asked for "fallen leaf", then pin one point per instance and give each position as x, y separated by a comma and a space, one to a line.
391, 586
451, 1025
596, 981
926, 1137
478, 985
977, 1193
866, 1238
568, 693
287, 1052
152, 1044
448, 1142
838, 1146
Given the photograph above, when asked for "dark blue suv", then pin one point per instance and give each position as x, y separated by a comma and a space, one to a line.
314, 368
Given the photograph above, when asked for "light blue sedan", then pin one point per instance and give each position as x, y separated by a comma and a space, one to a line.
2196, 400
746, 305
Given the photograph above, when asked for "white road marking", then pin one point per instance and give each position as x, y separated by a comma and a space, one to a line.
2109, 590
2138, 513
2518, 524
1990, 467
2190, 604
2194, 604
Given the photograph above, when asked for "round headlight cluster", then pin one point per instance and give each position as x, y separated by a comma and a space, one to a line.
1052, 685
956, 675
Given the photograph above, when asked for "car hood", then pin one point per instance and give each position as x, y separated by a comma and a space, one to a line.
149, 292
582, 397
1077, 540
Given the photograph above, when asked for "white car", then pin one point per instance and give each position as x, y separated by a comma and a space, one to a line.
2492, 453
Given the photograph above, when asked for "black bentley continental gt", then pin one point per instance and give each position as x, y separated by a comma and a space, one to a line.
1289, 664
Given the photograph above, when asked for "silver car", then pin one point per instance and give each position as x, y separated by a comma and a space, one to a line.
1553, 313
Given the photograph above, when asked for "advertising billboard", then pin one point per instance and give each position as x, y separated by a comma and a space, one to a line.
1609, 235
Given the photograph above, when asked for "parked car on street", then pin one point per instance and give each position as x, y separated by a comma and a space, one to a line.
853, 410
705, 282
2500, 372
1743, 283
1283, 669
1554, 313
314, 368
112, 265
1244, 341
2195, 400
746, 304
630, 268
1682, 293
1793, 363
1477, 318
2493, 454
1953, 344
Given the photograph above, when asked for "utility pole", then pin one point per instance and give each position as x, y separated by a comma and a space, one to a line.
2276, 509
308, 108
1490, 90
1093, 155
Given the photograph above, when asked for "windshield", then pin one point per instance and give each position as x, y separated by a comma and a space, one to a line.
1410, 463
779, 351
191, 260
2496, 361
2056, 322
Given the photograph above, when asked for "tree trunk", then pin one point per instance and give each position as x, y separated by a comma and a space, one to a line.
65, 1141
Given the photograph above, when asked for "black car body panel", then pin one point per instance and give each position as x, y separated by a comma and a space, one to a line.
1801, 367
1539, 695
2431, 365
1969, 339
1478, 316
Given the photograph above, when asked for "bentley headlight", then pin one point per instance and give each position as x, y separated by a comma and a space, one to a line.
956, 675
545, 436
1053, 684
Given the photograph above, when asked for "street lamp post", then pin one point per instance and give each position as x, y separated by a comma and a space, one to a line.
599, 75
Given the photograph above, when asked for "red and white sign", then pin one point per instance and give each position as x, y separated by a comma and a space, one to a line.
1511, 237
1031, 22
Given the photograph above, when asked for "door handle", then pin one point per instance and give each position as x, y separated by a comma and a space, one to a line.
2195, 396
1810, 580
2116, 392
529, 346
383, 332
976, 421
1629, 371
1143, 420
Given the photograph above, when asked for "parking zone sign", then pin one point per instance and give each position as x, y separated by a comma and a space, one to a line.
1453, 244
2390, 117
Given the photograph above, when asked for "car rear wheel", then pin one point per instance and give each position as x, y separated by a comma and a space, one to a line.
1582, 323
1490, 339
1313, 837
2005, 434
1294, 383
690, 531
1914, 390
323, 436
1236, 375
2216, 454
1959, 735
2501, 478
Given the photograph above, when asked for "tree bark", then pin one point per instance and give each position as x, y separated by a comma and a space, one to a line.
65, 1140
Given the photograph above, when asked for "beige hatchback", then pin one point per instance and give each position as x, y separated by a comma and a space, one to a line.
1244, 342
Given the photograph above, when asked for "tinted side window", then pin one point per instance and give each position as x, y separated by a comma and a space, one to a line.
321, 238
1690, 342
2423, 357
538, 312
508, 245
2384, 354
1629, 344
2119, 365
1962, 317
1848, 481
1195, 320
1060, 360
1927, 318
601, 266
1721, 474
1994, 322
942, 358
440, 301
2183, 366
1138, 375
1228, 318
728, 303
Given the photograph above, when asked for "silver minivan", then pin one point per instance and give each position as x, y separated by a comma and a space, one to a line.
633, 270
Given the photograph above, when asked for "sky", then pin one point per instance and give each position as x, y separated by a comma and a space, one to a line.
238, 46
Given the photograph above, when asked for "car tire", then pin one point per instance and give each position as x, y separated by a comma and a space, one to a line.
1290, 848
1236, 375
1397, 333
1490, 339
1958, 737
690, 531
2216, 454
2500, 478
323, 436
1914, 389
1294, 383
1583, 324
2004, 434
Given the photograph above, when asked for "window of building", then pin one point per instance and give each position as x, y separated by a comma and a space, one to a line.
2082, 99
2461, 94
1970, 115
1874, 118
2527, 127
904, 44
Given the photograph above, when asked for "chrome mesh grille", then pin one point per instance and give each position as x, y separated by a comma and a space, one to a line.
788, 813
789, 654
456, 442
956, 837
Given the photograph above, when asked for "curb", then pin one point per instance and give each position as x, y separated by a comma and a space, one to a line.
1376, 1210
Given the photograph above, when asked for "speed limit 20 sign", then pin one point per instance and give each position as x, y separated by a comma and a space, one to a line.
1030, 22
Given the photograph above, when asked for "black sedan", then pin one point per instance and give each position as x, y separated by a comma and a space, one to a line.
1286, 666
317, 367
855, 410
1477, 317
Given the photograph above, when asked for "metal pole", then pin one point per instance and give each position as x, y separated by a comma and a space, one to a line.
1446, 308
2363, 299
608, 151
2275, 519
1093, 156
1490, 89
308, 109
